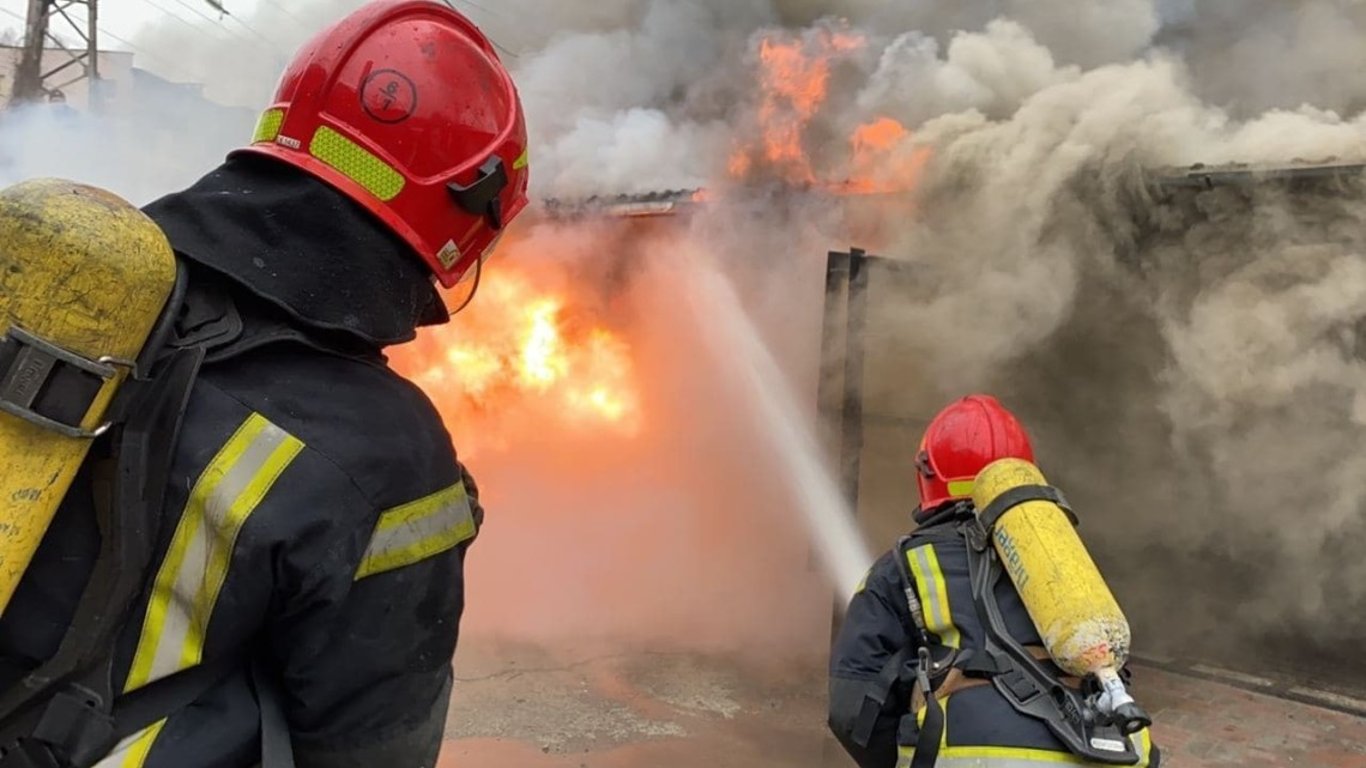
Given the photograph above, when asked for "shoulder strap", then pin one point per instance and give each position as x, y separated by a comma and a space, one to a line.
932, 728
1027, 683
277, 750
140, 709
156, 701
69, 698
65, 713
919, 629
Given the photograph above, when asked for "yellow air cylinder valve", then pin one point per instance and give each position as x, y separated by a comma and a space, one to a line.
1068, 600
84, 277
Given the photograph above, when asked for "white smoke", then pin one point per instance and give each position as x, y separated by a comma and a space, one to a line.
991, 73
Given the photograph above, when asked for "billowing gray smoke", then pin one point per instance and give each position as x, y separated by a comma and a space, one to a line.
1252, 55
1190, 362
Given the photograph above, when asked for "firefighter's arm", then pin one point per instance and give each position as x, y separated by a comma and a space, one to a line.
366, 648
867, 699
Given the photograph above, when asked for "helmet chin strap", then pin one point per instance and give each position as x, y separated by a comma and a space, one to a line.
478, 274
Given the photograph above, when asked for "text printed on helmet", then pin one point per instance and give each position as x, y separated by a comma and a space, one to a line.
388, 96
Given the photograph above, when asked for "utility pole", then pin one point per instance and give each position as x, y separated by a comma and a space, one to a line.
35, 82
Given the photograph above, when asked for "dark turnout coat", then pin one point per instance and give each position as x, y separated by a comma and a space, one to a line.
313, 533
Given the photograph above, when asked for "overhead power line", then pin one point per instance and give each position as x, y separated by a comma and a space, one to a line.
135, 49
230, 34
173, 67
283, 9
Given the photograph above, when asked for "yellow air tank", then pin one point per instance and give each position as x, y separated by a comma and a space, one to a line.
84, 276
1078, 618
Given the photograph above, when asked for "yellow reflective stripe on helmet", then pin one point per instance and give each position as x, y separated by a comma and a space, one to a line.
196, 565
357, 163
132, 752
268, 127
416, 531
523, 160
961, 487
934, 594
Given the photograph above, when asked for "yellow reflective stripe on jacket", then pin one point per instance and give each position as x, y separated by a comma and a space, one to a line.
933, 591
196, 565
132, 752
416, 531
1017, 757
863, 582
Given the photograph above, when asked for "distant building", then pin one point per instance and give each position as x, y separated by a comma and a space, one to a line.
159, 106
174, 113
149, 135
116, 75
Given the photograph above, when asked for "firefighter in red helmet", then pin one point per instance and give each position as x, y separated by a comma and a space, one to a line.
921, 609
263, 564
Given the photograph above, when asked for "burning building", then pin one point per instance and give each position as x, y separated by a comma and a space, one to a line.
1153, 326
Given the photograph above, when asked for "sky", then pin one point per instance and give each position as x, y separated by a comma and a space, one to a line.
123, 17
120, 20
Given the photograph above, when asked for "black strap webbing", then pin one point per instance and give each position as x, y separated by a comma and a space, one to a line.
148, 705
875, 698
152, 703
932, 728
47, 385
1019, 495
277, 751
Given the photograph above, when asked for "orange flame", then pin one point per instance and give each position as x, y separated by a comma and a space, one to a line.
881, 161
794, 76
520, 349
878, 136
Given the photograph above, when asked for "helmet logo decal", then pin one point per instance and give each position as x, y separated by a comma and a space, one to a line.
388, 96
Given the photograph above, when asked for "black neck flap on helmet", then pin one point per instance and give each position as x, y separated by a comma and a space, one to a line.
296, 242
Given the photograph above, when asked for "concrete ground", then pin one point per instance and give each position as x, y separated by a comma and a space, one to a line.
518, 707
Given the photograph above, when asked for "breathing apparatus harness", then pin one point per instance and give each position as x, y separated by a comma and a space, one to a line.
1072, 709
66, 712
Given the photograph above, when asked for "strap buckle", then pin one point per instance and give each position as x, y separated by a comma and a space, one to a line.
77, 726
976, 534
73, 730
922, 671
28, 754
51, 387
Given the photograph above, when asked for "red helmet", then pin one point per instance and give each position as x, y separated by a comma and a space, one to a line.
960, 442
405, 107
